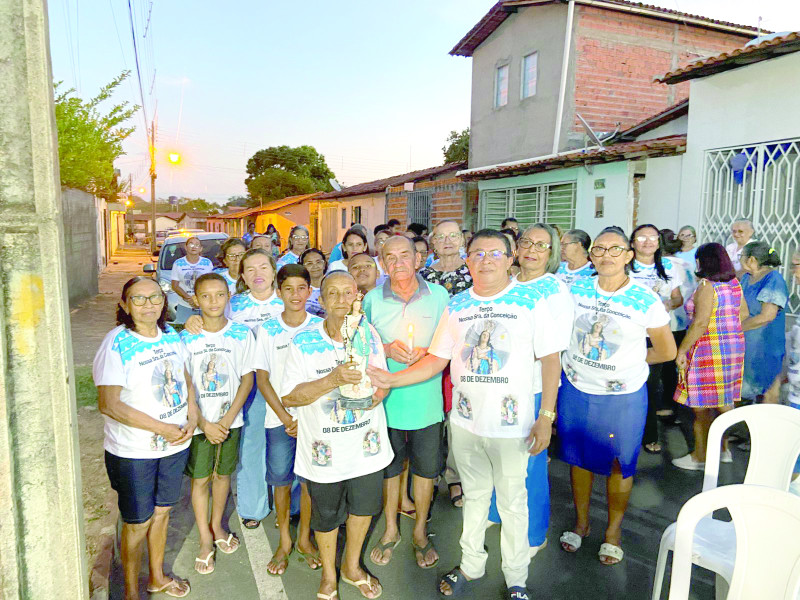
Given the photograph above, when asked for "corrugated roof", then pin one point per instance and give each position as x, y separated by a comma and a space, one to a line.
380, 185
740, 57
665, 116
664, 146
501, 11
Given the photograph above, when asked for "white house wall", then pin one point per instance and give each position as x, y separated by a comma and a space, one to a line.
748, 105
677, 127
659, 193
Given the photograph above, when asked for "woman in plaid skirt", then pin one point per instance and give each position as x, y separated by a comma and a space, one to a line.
711, 357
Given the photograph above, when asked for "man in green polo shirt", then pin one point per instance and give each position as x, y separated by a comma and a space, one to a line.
405, 311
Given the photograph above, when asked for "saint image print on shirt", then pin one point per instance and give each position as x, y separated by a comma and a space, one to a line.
464, 407
213, 376
158, 443
165, 385
189, 278
321, 454
598, 337
509, 411
332, 406
372, 442
486, 347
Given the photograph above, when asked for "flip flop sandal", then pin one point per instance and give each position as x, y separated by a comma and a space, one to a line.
570, 538
517, 593
383, 548
610, 551
229, 547
457, 497
360, 582
174, 588
457, 581
282, 562
423, 550
204, 562
651, 450
331, 596
312, 555
251, 523
412, 514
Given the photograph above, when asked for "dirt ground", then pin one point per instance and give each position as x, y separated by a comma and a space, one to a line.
90, 321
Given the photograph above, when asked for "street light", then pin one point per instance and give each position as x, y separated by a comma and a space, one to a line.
174, 158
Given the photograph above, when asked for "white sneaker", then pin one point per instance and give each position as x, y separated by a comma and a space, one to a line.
726, 456
688, 463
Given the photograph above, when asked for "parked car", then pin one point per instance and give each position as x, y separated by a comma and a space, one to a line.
173, 249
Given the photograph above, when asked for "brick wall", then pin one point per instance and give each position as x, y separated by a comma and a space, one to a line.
617, 55
450, 199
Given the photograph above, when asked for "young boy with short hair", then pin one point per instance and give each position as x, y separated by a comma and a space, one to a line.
272, 342
222, 365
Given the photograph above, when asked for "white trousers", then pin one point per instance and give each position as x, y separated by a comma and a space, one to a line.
499, 463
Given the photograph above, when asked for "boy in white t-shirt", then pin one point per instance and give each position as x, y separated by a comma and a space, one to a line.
221, 359
272, 349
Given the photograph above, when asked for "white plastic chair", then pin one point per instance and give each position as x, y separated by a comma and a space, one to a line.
767, 523
774, 446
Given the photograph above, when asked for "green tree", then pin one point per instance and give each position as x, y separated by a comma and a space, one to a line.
456, 146
280, 171
198, 205
90, 139
236, 201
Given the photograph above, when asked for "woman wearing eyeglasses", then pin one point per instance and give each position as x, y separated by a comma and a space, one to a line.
688, 238
298, 243
231, 253
575, 262
602, 402
538, 253
665, 278
147, 431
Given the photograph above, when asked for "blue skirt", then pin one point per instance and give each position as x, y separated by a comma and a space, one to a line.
596, 429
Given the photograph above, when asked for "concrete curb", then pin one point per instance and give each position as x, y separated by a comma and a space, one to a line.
100, 571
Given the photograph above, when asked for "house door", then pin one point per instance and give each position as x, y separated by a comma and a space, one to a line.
328, 229
760, 182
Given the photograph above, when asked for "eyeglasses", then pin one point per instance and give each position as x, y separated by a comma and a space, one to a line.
685, 236
646, 238
613, 251
155, 300
492, 254
194, 245
299, 237
235, 256
453, 235
538, 246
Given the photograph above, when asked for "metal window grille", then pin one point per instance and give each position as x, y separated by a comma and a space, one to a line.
552, 203
419, 207
761, 183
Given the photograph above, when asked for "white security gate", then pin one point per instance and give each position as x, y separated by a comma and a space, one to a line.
552, 203
419, 207
761, 183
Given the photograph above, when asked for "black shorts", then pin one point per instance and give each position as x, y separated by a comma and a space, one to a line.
144, 483
422, 447
331, 503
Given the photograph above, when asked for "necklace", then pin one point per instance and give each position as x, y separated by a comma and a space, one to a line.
339, 359
604, 305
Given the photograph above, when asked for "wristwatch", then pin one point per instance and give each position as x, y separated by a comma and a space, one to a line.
550, 414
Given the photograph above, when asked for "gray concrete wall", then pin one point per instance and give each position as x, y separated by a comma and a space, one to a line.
81, 243
524, 127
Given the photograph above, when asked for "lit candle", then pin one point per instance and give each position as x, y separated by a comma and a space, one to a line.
411, 336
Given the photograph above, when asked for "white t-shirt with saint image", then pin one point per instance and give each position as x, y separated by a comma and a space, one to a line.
218, 361
608, 349
492, 343
186, 273
150, 372
333, 443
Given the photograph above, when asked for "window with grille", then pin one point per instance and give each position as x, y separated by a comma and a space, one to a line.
760, 182
552, 203
419, 207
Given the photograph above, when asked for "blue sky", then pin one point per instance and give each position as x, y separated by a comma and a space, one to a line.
368, 83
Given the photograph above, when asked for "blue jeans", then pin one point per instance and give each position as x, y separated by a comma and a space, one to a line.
251, 474
538, 487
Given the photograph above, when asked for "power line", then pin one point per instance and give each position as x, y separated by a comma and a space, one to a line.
69, 41
138, 69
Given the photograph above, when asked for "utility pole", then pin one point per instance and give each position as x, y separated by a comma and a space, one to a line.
153, 245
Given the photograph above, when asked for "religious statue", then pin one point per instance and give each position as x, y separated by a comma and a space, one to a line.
357, 340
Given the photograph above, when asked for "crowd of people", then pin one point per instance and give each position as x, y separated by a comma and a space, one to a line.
479, 348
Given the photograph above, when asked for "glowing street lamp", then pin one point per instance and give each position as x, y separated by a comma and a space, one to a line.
174, 158
142, 190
